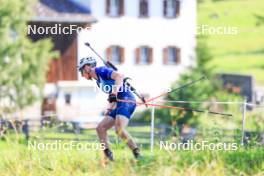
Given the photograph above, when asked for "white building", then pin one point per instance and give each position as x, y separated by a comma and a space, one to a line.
151, 41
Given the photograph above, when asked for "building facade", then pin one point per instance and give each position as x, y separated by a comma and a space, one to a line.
151, 41
58, 14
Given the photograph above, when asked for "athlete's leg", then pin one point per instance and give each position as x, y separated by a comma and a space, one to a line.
121, 123
107, 123
124, 112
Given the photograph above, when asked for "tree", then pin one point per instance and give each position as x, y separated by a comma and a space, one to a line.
23, 63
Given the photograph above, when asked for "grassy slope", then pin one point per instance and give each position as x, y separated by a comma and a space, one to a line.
241, 53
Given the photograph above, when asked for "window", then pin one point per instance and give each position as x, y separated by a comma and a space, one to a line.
143, 8
67, 97
144, 55
115, 54
114, 8
171, 55
171, 8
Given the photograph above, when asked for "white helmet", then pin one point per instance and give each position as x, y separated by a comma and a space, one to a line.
90, 61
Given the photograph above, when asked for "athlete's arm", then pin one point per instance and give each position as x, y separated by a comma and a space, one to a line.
118, 81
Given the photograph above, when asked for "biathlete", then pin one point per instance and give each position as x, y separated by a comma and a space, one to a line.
119, 113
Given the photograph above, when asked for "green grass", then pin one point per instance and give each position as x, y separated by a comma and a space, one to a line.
17, 159
242, 53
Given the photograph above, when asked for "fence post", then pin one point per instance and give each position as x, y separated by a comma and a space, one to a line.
152, 129
243, 121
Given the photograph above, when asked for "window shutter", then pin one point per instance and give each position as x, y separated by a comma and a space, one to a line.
107, 7
122, 55
165, 56
178, 4
164, 7
150, 56
108, 53
137, 53
121, 7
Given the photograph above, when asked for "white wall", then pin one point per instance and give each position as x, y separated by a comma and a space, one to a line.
84, 105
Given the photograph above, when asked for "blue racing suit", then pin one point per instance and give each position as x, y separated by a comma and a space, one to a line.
106, 83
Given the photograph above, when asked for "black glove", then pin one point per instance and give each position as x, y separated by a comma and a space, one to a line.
112, 98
